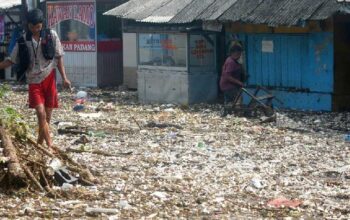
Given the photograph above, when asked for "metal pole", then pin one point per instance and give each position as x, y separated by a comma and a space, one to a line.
24, 10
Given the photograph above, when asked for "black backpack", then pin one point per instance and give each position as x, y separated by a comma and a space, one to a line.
47, 47
24, 59
47, 44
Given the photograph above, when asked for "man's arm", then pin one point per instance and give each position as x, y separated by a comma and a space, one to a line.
61, 69
4, 64
235, 81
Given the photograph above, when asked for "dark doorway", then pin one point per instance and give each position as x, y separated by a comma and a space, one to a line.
341, 98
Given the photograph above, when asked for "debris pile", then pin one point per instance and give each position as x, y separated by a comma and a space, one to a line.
187, 162
25, 164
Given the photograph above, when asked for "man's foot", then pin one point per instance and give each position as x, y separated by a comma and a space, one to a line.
53, 150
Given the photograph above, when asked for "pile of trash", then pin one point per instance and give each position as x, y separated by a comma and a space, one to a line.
168, 161
25, 164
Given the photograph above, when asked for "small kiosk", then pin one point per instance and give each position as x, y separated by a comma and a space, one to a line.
175, 63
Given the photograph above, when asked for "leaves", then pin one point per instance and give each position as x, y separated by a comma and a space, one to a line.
4, 89
10, 118
13, 121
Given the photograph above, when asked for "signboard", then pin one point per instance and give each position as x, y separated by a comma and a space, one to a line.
75, 23
267, 46
157, 41
162, 49
2, 28
202, 51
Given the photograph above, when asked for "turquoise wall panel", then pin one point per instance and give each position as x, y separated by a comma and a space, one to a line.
298, 67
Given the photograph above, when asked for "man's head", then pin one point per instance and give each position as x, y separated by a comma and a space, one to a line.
236, 51
35, 18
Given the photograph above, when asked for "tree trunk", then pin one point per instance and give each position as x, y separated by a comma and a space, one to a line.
14, 167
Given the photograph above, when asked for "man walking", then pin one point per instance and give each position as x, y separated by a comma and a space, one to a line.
231, 77
40, 73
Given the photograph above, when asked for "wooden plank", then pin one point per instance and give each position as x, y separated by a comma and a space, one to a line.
278, 60
251, 59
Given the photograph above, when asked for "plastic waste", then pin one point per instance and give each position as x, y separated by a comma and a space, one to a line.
66, 187
160, 195
62, 176
347, 138
123, 204
257, 183
200, 145
100, 134
79, 108
101, 210
81, 95
55, 164
80, 99
283, 202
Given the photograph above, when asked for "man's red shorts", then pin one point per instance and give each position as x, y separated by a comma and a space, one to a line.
44, 93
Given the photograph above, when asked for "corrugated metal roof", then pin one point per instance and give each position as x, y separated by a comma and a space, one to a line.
145, 9
4, 4
216, 9
155, 11
328, 9
288, 12
271, 12
282, 12
192, 11
163, 14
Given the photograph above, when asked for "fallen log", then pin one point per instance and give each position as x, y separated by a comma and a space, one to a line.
14, 167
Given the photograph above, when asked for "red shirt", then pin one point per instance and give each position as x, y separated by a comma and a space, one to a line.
231, 68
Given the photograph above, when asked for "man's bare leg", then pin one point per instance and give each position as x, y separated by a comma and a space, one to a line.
44, 133
48, 115
48, 112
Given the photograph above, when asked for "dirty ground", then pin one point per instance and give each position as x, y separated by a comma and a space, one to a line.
167, 161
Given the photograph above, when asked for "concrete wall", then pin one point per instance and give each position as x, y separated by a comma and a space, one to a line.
81, 68
177, 87
130, 60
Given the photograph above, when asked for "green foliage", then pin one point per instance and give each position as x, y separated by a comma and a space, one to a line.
10, 119
13, 121
4, 89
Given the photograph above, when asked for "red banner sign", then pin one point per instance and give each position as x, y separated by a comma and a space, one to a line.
83, 12
75, 23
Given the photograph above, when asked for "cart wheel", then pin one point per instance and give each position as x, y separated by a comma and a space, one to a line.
269, 111
258, 111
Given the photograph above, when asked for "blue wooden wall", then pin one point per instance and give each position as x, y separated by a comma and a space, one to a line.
298, 68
